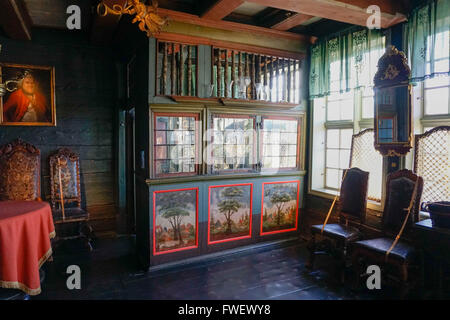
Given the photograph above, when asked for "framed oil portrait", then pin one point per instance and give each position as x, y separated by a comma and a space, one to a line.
29, 95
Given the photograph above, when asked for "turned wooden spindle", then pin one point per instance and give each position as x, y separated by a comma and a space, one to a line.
173, 66
219, 74
164, 70
271, 78
227, 74
233, 74
253, 76
277, 70
265, 71
289, 61
180, 70
189, 70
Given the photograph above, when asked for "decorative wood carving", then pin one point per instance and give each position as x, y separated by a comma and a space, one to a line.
393, 104
20, 171
393, 68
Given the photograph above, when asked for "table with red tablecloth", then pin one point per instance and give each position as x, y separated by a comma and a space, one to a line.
26, 228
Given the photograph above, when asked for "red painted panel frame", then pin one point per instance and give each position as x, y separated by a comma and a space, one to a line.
262, 208
250, 216
154, 222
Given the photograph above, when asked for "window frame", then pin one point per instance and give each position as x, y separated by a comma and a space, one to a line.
317, 184
423, 88
197, 148
343, 127
259, 114
210, 126
203, 114
424, 115
298, 140
358, 123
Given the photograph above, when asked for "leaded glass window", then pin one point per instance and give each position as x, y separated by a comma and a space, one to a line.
233, 143
175, 144
280, 143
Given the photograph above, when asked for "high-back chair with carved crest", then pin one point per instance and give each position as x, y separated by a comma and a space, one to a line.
20, 171
401, 211
351, 208
65, 191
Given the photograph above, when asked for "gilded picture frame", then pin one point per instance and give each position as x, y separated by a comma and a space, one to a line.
29, 95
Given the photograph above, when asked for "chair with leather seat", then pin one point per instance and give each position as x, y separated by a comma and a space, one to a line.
351, 210
401, 211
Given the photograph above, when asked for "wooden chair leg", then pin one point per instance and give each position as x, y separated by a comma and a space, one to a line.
404, 286
86, 232
312, 252
343, 263
356, 268
404, 272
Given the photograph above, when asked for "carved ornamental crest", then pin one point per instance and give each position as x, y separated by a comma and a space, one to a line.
392, 68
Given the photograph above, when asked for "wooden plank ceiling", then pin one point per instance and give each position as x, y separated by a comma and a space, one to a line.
311, 18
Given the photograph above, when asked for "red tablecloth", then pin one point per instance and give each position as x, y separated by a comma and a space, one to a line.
25, 231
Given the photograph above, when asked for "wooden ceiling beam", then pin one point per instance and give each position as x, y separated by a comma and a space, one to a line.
228, 25
221, 8
103, 28
292, 21
194, 40
15, 19
349, 11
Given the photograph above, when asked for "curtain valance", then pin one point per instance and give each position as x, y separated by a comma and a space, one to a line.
427, 40
345, 62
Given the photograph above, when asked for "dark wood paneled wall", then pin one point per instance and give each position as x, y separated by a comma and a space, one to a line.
86, 98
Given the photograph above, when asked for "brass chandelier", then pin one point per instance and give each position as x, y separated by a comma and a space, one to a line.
147, 15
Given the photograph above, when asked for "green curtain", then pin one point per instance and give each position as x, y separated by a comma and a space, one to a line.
345, 62
426, 34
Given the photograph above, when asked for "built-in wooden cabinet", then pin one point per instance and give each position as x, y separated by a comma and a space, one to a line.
223, 141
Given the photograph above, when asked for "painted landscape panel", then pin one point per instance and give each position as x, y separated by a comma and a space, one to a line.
280, 207
175, 220
230, 211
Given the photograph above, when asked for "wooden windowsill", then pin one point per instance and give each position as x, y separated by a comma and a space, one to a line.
257, 103
232, 102
330, 194
152, 182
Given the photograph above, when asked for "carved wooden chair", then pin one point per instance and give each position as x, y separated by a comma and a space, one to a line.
401, 211
20, 171
351, 208
20, 179
65, 196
